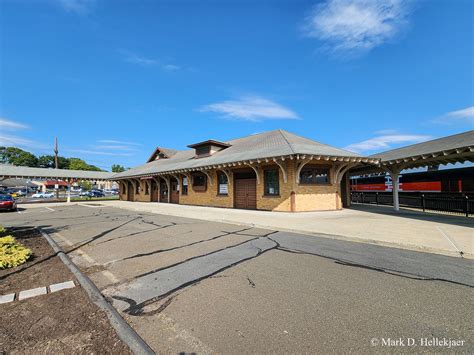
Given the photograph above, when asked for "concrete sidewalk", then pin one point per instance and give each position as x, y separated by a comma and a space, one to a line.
436, 233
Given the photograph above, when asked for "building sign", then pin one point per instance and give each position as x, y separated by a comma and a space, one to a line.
223, 189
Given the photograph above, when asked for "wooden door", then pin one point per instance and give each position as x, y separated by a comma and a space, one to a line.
246, 193
154, 191
130, 191
163, 192
174, 197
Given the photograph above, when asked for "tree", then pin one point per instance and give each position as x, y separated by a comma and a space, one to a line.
47, 161
85, 185
116, 168
79, 164
17, 156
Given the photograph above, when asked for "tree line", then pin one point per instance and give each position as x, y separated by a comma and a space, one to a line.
20, 157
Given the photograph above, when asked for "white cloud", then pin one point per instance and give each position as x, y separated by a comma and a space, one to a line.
147, 62
251, 108
139, 60
113, 141
114, 147
465, 115
170, 67
97, 152
386, 142
15, 141
80, 7
11, 125
357, 25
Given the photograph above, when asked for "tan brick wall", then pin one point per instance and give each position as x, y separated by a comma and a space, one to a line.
306, 197
141, 197
317, 197
208, 197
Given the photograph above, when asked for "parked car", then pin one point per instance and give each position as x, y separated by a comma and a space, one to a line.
21, 193
43, 195
95, 193
7, 203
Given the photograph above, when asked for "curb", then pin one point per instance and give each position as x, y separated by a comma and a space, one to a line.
123, 329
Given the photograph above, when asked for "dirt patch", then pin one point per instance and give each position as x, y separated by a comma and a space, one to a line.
63, 322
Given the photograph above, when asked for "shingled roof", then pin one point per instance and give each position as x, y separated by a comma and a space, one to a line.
278, 143
461, 144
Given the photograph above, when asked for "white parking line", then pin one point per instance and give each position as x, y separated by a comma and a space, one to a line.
110, 276
90, 206
49, 209
85, 256
64, 239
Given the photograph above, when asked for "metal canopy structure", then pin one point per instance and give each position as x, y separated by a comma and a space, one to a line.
24, 172
458, 148
12, 171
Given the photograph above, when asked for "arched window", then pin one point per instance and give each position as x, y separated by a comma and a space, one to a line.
222, 184
314, 175
199, 182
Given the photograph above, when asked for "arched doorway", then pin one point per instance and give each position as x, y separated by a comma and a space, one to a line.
245, 189
154, 191
130, 194
174, 197
163, 191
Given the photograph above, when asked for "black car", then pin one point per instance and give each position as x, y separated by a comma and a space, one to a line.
95, 193
7, 203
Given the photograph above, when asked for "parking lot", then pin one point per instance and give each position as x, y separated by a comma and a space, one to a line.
189, 285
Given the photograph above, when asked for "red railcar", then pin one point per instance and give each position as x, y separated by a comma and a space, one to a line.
450, 180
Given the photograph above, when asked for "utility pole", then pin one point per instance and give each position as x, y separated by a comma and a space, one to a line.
56, 164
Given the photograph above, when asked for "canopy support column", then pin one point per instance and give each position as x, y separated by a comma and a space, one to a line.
394, 172
68, 191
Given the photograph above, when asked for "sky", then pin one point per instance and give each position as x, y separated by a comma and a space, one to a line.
115, 79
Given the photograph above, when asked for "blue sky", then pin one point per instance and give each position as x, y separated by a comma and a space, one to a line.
114, 79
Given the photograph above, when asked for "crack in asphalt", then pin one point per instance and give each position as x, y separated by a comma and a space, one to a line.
137, 309
180, 247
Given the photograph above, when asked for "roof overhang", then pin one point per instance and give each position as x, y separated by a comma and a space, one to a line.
252, 162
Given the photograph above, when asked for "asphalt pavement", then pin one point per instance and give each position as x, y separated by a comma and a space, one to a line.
188, 285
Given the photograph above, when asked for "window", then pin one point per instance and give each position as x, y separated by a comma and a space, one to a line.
137, 188
124, 191
314, 175
222, 184
147, 188
199, 182
185, 186
272, 183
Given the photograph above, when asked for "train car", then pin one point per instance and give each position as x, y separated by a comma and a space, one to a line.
449, 180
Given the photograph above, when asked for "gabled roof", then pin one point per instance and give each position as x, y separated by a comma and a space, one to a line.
458, 143
167, 152
270, 144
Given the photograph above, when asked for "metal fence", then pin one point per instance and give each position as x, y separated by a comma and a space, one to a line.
458, 204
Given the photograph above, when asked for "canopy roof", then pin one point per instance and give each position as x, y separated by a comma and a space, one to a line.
42, 173
266, 145
450, 149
